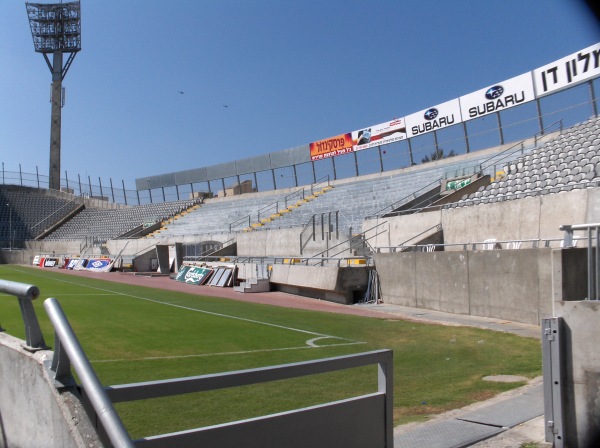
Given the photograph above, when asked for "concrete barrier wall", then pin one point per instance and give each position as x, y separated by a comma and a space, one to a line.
396, 230
537, 217
332, 283
505, 284
284, 243
32, 412
442, 281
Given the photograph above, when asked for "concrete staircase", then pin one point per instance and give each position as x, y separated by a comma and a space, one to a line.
254, 285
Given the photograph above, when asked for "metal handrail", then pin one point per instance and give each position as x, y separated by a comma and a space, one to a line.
273, 205
312, 221
438, 227
352, 237
77, 199
405, 199
300, 193
26, 295
66, 340
535, 244
319, 181
236, 222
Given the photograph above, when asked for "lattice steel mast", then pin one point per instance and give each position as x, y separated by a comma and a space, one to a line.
56, 29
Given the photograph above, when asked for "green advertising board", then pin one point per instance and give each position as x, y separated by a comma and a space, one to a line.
192, 275
457, 184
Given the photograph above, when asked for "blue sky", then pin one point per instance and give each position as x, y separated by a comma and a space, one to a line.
288, 72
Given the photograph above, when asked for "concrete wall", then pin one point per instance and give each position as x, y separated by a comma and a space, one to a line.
537, 217
32, 412
335, 284
506, 284
285, 243
397, 230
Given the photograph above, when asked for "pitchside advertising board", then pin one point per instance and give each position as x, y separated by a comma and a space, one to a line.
192, 274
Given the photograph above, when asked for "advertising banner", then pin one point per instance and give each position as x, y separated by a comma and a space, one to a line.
568, 71
380, 134
73, 262
195, 275
99, 265
50, 262
330, 147
434, 118
180, 277
509, 93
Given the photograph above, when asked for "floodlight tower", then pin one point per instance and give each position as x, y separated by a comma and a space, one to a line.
56, 29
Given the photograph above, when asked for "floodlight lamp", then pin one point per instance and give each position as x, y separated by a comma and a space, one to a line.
55, 27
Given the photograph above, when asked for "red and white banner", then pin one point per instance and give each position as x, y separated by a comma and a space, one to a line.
379, 134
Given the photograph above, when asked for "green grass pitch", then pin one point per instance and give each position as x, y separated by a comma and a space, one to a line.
132, 334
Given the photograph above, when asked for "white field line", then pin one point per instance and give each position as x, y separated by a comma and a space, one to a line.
309, 342
206, 355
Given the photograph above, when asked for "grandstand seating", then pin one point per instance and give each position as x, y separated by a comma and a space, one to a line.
568, 162
359, 198
216, 215
29, 211
104, 224
354, 199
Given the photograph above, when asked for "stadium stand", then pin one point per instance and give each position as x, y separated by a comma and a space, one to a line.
104, 224
566, 163
26, 212
222, 215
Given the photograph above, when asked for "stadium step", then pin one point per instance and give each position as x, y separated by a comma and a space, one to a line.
253, 285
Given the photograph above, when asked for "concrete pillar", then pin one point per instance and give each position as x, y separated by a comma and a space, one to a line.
55, 122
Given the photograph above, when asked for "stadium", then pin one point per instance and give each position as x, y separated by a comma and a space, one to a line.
300, 264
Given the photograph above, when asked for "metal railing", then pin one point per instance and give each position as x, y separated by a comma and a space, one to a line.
437, 228
69, 352
26, 295
406, 199
354, 241
309, 231
529, 243
593, 254
240, 223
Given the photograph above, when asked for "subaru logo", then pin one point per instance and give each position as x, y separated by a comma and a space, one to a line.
494, 92
431, 114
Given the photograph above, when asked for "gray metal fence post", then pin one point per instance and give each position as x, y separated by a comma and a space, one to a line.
385, 384
552, 372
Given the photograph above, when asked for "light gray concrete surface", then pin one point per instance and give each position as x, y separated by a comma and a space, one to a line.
506, 284
33, 413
